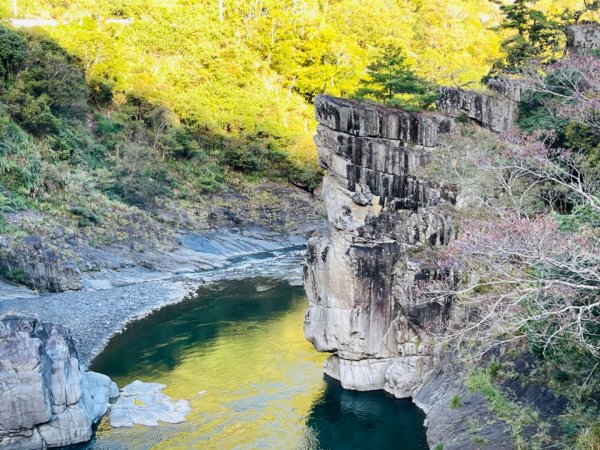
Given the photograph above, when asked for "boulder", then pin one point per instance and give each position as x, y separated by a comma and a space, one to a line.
32, 263
46, 399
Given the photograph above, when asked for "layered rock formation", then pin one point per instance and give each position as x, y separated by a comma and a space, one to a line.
496, 110
46, 399
361, 278
39, 267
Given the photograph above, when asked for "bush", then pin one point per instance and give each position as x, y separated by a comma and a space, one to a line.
12, 52
86, 217
20, 161
101, 92
455, 402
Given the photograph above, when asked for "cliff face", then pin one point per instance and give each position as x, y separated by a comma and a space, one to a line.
361, 278
583, 37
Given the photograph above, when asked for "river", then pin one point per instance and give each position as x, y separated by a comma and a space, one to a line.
238, 352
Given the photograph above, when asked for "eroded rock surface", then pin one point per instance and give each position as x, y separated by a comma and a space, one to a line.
46, 400
361, 277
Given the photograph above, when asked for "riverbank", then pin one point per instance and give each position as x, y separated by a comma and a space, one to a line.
95, 315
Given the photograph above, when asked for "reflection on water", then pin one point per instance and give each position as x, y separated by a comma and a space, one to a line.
238, 352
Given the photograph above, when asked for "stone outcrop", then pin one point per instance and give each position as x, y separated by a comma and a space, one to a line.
46, 399
496, 110
583, 37
34, 265
361, 278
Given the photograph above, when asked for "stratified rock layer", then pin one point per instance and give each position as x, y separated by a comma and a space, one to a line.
583, 37
361, 278
45, 399
494, 110
39, 267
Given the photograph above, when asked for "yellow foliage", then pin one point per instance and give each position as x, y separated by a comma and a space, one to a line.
253, 72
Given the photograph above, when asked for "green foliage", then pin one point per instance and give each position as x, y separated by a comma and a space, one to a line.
15, 275
12, 52
391, 80
494, 369
438, 446
479, 440
86, 217
534, 36
580, 429
455, 402
252, 68
20, 161
581, 217
517, 417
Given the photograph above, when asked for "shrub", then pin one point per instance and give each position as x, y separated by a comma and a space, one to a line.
455, 402
12, 51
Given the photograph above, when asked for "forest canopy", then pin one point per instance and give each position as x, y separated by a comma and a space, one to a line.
196, 88
250, 68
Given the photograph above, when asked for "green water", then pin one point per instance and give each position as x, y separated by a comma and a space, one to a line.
238, 352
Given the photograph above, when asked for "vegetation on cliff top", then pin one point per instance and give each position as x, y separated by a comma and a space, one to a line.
528, 249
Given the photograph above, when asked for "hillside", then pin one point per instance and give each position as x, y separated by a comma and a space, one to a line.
449, 176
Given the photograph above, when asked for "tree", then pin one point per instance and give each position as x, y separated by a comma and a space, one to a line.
530, 267
391, 80
589, 6
535, 36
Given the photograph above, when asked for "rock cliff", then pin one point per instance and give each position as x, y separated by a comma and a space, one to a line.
496, 110
363, 277
39, 267
47, 400
583, 37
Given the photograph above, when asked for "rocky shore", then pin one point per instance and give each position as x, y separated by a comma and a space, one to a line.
93, 315
54, 400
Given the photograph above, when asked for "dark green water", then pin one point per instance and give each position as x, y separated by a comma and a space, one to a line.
240, 345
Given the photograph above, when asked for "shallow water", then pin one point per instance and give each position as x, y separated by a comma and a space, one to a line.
238, 352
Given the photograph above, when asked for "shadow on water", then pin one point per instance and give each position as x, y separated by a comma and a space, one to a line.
237, 351
342, 419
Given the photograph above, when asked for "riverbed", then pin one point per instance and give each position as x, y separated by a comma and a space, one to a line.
229, 340
237, 351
